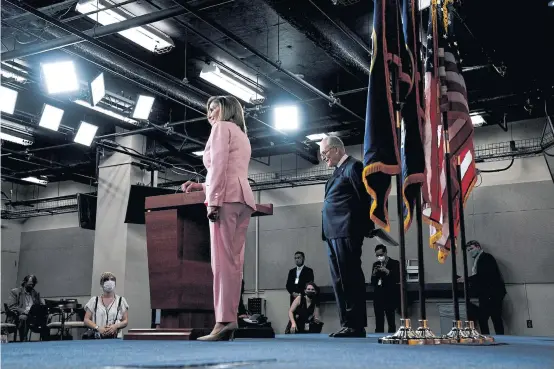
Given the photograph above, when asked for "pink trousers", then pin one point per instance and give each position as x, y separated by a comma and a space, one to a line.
227, 238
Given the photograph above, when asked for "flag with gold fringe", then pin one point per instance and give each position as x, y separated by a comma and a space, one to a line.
413, 114
381, 151
445, 92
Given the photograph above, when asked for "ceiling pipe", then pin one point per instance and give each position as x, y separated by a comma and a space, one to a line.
152, 129
326, 32
121, 66
332, 100
42, 161
94, 33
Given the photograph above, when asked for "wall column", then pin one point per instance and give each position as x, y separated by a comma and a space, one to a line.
120, 248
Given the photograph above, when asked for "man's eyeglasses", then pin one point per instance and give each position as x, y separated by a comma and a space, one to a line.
325, 153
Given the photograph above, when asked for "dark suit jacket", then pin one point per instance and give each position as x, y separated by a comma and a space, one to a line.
306, 275
488, 282
346, 206
16, 300
389, 283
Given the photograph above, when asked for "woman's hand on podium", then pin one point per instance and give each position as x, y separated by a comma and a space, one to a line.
190, 186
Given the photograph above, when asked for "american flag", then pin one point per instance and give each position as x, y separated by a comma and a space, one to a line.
445, 91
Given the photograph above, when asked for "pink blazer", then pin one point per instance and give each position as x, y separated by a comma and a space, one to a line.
226, 157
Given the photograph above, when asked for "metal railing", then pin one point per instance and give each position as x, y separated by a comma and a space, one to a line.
296, 177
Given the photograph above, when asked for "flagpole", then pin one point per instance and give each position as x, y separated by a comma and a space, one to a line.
400, 210
469, 330
423, 333
463, 237
405, 332
455, 333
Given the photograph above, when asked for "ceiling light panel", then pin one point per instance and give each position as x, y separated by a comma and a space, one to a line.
216, 77
51, 117
147, 36
286, 117
60, 77
85, 134
8, 98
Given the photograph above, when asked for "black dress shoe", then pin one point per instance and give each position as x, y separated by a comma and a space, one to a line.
339, 331
351, 332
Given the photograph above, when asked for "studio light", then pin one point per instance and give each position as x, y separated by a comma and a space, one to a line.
198, 153
60, 77
85, 134
212, 74
97, 89
477, 120
8, 98
40, 181
146, 36
51, 117
16, 139
286, 117
107, 112
143, 107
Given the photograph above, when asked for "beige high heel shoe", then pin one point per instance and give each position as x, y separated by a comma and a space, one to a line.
226, 333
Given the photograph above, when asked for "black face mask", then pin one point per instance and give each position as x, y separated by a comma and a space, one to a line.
28, 288
310, 294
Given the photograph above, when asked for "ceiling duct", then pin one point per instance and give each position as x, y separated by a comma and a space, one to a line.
327, 32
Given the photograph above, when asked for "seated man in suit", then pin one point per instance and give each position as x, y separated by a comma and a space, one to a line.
298, 276
487, 284
385, 280
21, 300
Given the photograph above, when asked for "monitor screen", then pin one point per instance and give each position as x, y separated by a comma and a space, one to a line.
86, 207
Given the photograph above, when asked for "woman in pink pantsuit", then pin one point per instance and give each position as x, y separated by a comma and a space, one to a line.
230, 203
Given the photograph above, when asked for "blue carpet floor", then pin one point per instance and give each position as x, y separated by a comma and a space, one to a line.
301, 351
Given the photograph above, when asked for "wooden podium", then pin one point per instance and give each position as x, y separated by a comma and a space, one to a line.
181, 281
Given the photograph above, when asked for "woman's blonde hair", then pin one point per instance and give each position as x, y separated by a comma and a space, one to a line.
231, 110
107, 276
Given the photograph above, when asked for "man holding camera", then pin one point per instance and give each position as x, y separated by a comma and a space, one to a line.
385, 279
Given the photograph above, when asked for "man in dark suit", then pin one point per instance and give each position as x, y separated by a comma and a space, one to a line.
298, 277
385, 280
345, 223
487, 284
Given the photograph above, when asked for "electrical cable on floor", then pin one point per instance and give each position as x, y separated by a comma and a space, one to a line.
498, 170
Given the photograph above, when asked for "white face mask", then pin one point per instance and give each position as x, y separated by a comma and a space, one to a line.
381, 258
109, 286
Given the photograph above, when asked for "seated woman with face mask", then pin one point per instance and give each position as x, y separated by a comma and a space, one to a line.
304, 312
108, 313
